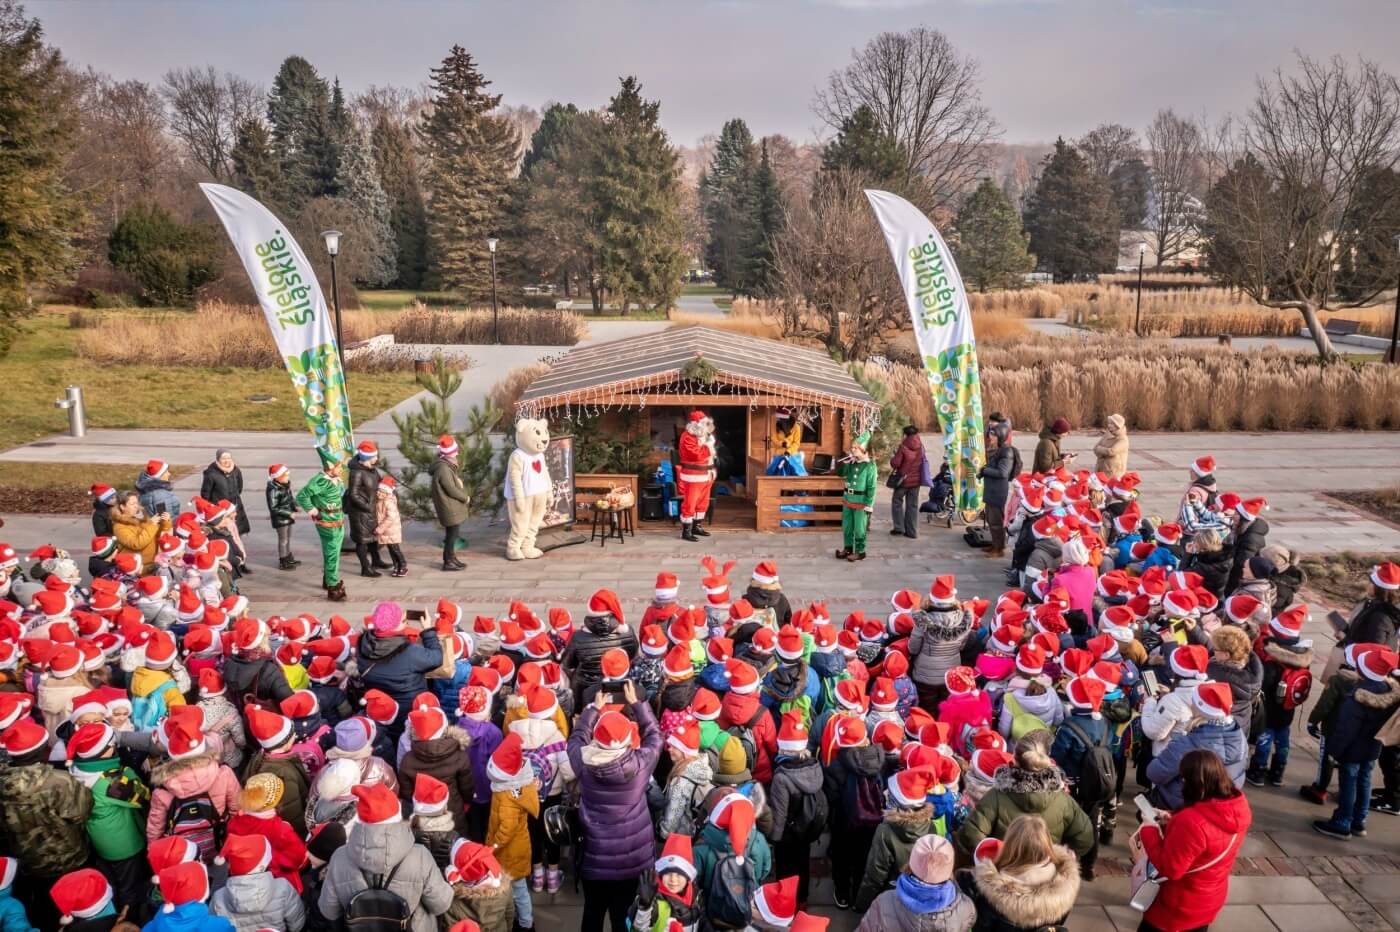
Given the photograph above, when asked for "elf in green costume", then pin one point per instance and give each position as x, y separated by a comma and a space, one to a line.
859, 474
322, 499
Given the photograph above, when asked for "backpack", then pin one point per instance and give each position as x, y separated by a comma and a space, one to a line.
197, 819
729, 893
148, 710
744, 733
1097, 777
806, 820
1022, 721
978, 537
1294, 687
863, 799
377, 908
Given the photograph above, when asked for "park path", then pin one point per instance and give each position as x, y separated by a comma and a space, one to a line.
1056, 327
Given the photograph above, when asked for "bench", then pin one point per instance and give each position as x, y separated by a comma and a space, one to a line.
1340, 327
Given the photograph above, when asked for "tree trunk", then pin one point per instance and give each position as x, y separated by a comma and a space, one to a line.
1319, 333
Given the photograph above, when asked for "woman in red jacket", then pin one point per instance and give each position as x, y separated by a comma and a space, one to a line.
1196, 848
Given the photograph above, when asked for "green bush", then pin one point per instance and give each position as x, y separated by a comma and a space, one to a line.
170, 260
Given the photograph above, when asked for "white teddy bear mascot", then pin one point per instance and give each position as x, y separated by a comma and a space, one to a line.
528, 488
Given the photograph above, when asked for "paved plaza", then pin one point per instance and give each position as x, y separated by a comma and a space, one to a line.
1288, 877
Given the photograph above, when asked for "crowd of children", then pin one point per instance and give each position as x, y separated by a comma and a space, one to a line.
683, 769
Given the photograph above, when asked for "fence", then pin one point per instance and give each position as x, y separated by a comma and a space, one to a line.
821, 493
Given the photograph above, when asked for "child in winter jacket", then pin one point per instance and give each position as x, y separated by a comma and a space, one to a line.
221, 719
185, 888
688, 782
1322, 721
258, 816
908, 818
254, 897
63, 683
474, 718
1352, 743
276, 756
192, 771
666, 896
896, 667
388, 528
1286, 684
966, 709
481, 889
1083, 729
328, 686
544, 744
281, 507
854, 785
514, 801
12, 915
313, 736
114, 826
154, 690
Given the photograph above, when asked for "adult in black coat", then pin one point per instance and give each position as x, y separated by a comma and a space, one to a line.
1206, 556
361, 487
223, 480
603, 629
252, 670
1375, 620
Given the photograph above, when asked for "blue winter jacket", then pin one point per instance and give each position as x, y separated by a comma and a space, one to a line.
13, 918
1068, 750
153, 493
1359, 717
396, 666
713, 679
1122, 548
449, 691
188, 917
1162, 556
1226, 739
812, 689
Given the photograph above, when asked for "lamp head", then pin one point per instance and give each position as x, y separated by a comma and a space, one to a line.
332, 238
491, 243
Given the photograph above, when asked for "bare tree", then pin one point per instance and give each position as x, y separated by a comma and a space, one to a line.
1176, 157
1301, 207
1107, 146
206, 109
837, 283
925, 97
123, 154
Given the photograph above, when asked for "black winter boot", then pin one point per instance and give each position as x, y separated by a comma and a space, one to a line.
366, 567
688, 532
697, 530
286, 563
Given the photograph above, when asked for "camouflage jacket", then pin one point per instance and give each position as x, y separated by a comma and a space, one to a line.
42, 811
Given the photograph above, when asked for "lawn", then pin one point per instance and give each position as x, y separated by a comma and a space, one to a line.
705, 289
62, 488
42, 362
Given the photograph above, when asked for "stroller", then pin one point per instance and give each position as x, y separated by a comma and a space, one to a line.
941, 503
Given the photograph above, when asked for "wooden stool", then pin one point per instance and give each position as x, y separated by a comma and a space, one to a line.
610, 523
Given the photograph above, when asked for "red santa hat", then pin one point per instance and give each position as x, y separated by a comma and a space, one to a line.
605, 602
614, 732
1085, 692
183, 883
376, 804
763, 643
685, 739
155, 468
485, 678
268, 728
743, 679
1213, 700
428, 723
766, 573
705, 706
24, 737
905, 600
1030, 660
944, 591
851, 732
472, 864
14, 705
790, 643
678, 854
988, 849
1240, 607
1169, 534
777, 902
80, 894
1180, 603
666, 587
734, 813
248, 633
961, 681
987, 761
1203, 466
677, 665
90, 741
1076, 661
653, 641
211, 683
1386, 576
740, 610
614, 665
1376, 664
1289, 622
1252, 508
1189, 661
909, 788
1005, 639
65, 661
429, 795
446, 446
540, 702
793, 736
1107, 672
245, 854
882, 694
887, 736
850, 695
380, 707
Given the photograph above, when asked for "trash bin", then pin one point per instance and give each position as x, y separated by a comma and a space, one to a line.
652, 507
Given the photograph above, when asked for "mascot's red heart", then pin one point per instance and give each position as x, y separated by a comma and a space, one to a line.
537, 466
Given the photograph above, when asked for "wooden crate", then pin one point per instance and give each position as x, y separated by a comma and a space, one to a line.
823, 493
589, 487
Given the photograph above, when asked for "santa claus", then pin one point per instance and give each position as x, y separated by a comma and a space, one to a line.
697, 473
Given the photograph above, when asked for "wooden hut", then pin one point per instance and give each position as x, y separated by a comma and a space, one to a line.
742, 382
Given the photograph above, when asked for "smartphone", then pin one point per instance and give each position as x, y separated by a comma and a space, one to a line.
1338, 621
416, 617
1148, 811
1149, 679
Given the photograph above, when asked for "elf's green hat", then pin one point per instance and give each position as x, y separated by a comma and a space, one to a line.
863, 440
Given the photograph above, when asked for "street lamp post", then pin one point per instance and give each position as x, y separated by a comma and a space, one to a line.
1137, 317
1394, 355
332, 240
495, 314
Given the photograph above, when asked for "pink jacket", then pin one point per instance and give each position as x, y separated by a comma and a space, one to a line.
181, 779
1078, 581
388, 528
961, 712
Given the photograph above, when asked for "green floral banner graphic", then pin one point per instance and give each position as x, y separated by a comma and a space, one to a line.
943, 328
296, 312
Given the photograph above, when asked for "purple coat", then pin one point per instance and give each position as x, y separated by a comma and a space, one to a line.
485, 736
617, 827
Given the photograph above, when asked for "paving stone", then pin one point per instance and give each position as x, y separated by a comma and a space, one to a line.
1377, 889
1259, 845
1260, 890
1308, 918
1231, 918
1091, 919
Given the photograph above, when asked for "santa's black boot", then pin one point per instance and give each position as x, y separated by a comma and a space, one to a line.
688, 532
697, 530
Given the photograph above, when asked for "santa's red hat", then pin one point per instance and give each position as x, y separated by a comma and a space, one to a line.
605, 602
428, 723
793, 736
653, 641
988, 849
766, 573
1376, 664
472, 863
790, 643
961, 681
1241, 606
763, 643
740, 611
1289, 622
614, 665
376, 804
743, 679
986, 762
905, 600
183, 883
429, 795
80, 894
705, 706
1030, 660
90, 741
944, 591
613, 731
1203, 466
211, 683
777, 902
851, 732
666, 587
1252, 508
686, 738
1189, 661
1386, 576
24, 737
248, 633
65, 661
1180, 603
1086, 692
882, 694
677, 665
909, 788
268, 728
169, 851
1213, 700
508, 759
734, 813
1005, 639
245, 854
678, 854
380, 707
300, 704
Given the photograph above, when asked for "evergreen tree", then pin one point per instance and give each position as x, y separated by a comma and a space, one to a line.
558, 224
470, 158
38, 119
990, 246
396, 166
360, 186
1071, 217
727, 203
419, 431
256, 169
170, 260
761, 274
298, 112
636, 191
863, 147
1131, 180
545, 142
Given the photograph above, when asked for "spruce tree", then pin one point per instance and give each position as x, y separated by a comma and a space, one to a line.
864, 148
257, 171
359, 184
470, 158
1071, 217
298, 112
548, 137
990, 245
727, 202
760, 270
38, 211
396, 165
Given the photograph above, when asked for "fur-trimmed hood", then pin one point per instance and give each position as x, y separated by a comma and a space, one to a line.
1283, 654
483, 891
1033, 790
910, 824
1384, 698
169, 769
1040, 896
948, 625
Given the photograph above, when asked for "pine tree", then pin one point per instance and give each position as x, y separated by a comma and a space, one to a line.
990, 246
256, 169
419, 431
863, 147
297, 113
1071, 217
359, 184
470, 157
760, 271
38, 212
556, 221
636, 193
396, 165
545, 142
727, 202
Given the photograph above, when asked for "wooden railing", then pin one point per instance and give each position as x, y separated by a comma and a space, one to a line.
822, 493
589, 487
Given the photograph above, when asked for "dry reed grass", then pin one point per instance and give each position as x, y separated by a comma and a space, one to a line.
518, 326
747, 317
1026, 302
505, 393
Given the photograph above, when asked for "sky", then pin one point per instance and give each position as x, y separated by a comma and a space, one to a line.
1048, 67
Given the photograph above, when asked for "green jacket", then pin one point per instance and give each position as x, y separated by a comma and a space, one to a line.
890, 850
295, 785
325, 495
714, 846
1016, 792
43, 811
117, 826
860, 483
450, 499
489, 907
